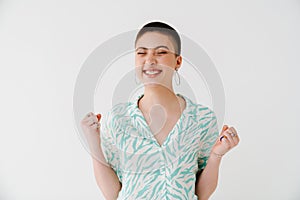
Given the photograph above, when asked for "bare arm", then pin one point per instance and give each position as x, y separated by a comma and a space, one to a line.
106, 178
207, 180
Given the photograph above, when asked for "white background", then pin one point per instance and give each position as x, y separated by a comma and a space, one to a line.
254, 44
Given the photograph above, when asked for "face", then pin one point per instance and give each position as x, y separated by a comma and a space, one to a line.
155, 58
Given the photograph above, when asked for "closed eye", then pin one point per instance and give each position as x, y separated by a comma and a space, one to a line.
162, 52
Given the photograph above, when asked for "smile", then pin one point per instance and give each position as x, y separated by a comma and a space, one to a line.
152, 72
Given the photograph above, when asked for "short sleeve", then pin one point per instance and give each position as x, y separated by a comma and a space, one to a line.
108, 144
209, 137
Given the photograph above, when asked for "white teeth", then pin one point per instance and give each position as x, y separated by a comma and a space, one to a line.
152, 72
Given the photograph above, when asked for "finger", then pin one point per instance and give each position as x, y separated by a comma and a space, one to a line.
89, 114
92, 121
232, 133
229, 137
94, 125
222, 137
225, 127
88, 117
235, 136
232, 129
226, 143
236, 139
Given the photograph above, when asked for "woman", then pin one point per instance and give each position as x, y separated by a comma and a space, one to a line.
162, 145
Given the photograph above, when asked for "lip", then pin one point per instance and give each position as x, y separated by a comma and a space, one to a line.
152, 69
152, 75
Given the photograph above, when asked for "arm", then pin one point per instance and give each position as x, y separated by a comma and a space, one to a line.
207, 180
105, 176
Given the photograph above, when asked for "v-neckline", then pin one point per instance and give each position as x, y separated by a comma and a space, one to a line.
147, 127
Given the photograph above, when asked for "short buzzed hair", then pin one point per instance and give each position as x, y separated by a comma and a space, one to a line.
164, 29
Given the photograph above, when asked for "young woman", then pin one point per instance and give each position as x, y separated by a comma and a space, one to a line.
162, 145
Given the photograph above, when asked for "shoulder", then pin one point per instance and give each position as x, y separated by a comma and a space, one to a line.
116, 113
207, 122
200, 111
206, 117
118, 109
206, 113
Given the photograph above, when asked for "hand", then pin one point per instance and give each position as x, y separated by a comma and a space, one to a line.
228, 139
90, 125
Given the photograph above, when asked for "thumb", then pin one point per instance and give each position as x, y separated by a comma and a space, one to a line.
225, 127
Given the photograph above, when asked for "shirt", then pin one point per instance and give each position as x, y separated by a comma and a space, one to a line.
148, 170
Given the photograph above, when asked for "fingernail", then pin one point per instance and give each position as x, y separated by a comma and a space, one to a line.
225, 127
99, 116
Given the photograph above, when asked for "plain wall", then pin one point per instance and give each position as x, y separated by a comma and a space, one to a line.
254, 44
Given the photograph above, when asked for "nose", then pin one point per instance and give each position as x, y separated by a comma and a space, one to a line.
150, 59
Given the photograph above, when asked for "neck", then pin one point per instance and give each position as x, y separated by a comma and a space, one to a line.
157, 94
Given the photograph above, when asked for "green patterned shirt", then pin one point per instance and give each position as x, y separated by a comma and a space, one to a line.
148, 170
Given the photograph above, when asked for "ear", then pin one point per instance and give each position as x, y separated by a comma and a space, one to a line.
178, 62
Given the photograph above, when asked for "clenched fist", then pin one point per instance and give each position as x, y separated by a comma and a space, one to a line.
90, 125
228, 140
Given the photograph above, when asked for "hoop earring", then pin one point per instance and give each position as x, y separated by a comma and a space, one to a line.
178, 77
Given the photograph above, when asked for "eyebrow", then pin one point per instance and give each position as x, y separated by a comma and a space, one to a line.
161, 46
